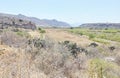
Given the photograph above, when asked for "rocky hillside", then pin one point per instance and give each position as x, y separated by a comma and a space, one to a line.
39, 22
6, 21
101, 25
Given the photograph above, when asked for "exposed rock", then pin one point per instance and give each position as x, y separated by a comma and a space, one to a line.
110, 59
6, 22
37, 21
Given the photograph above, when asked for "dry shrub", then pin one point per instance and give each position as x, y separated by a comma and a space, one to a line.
36, 58
118, 60
55, 60
12, 39
18, 64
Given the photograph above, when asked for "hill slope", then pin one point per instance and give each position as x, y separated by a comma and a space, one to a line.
101, 25
39, 22
7, 21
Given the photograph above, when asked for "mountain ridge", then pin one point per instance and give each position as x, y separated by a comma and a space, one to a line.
39, 22
100, 25
7, 21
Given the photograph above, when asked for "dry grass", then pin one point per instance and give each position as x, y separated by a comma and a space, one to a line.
60, 35
46, 58
50, 61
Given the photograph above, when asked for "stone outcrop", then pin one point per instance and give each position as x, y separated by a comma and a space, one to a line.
6, 22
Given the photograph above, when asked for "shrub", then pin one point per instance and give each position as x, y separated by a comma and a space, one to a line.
66, 42
73, 48
112, 48
118, 60
22, 33
42, 31
12, 39
39, 29
71, 27
56, 60
20, 20
93, 45
80, 33
91, 36
15, 30
99, 68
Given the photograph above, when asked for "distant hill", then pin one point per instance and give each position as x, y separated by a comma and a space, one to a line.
10, 21
39, 22
100, 25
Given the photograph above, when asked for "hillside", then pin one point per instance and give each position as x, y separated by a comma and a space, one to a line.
39, 22
7, 21
101, 25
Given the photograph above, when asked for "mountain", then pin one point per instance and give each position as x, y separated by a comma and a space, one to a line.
10, 21
39, 22
100, 25
44, 22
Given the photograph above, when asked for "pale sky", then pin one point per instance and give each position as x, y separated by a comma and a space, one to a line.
71, 11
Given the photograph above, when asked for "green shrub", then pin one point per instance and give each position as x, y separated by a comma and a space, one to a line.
91, 36
80, 33
23, 34
42, 31
39, 29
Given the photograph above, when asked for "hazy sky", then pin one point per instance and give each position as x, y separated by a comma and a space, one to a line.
71, 11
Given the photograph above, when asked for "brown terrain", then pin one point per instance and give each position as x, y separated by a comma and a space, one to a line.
61, 35
15, 63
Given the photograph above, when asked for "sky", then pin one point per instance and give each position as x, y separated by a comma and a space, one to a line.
71, 11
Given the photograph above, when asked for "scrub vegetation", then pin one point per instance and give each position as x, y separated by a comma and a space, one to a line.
25, 54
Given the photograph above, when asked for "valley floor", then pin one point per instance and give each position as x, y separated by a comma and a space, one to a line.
61, 35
